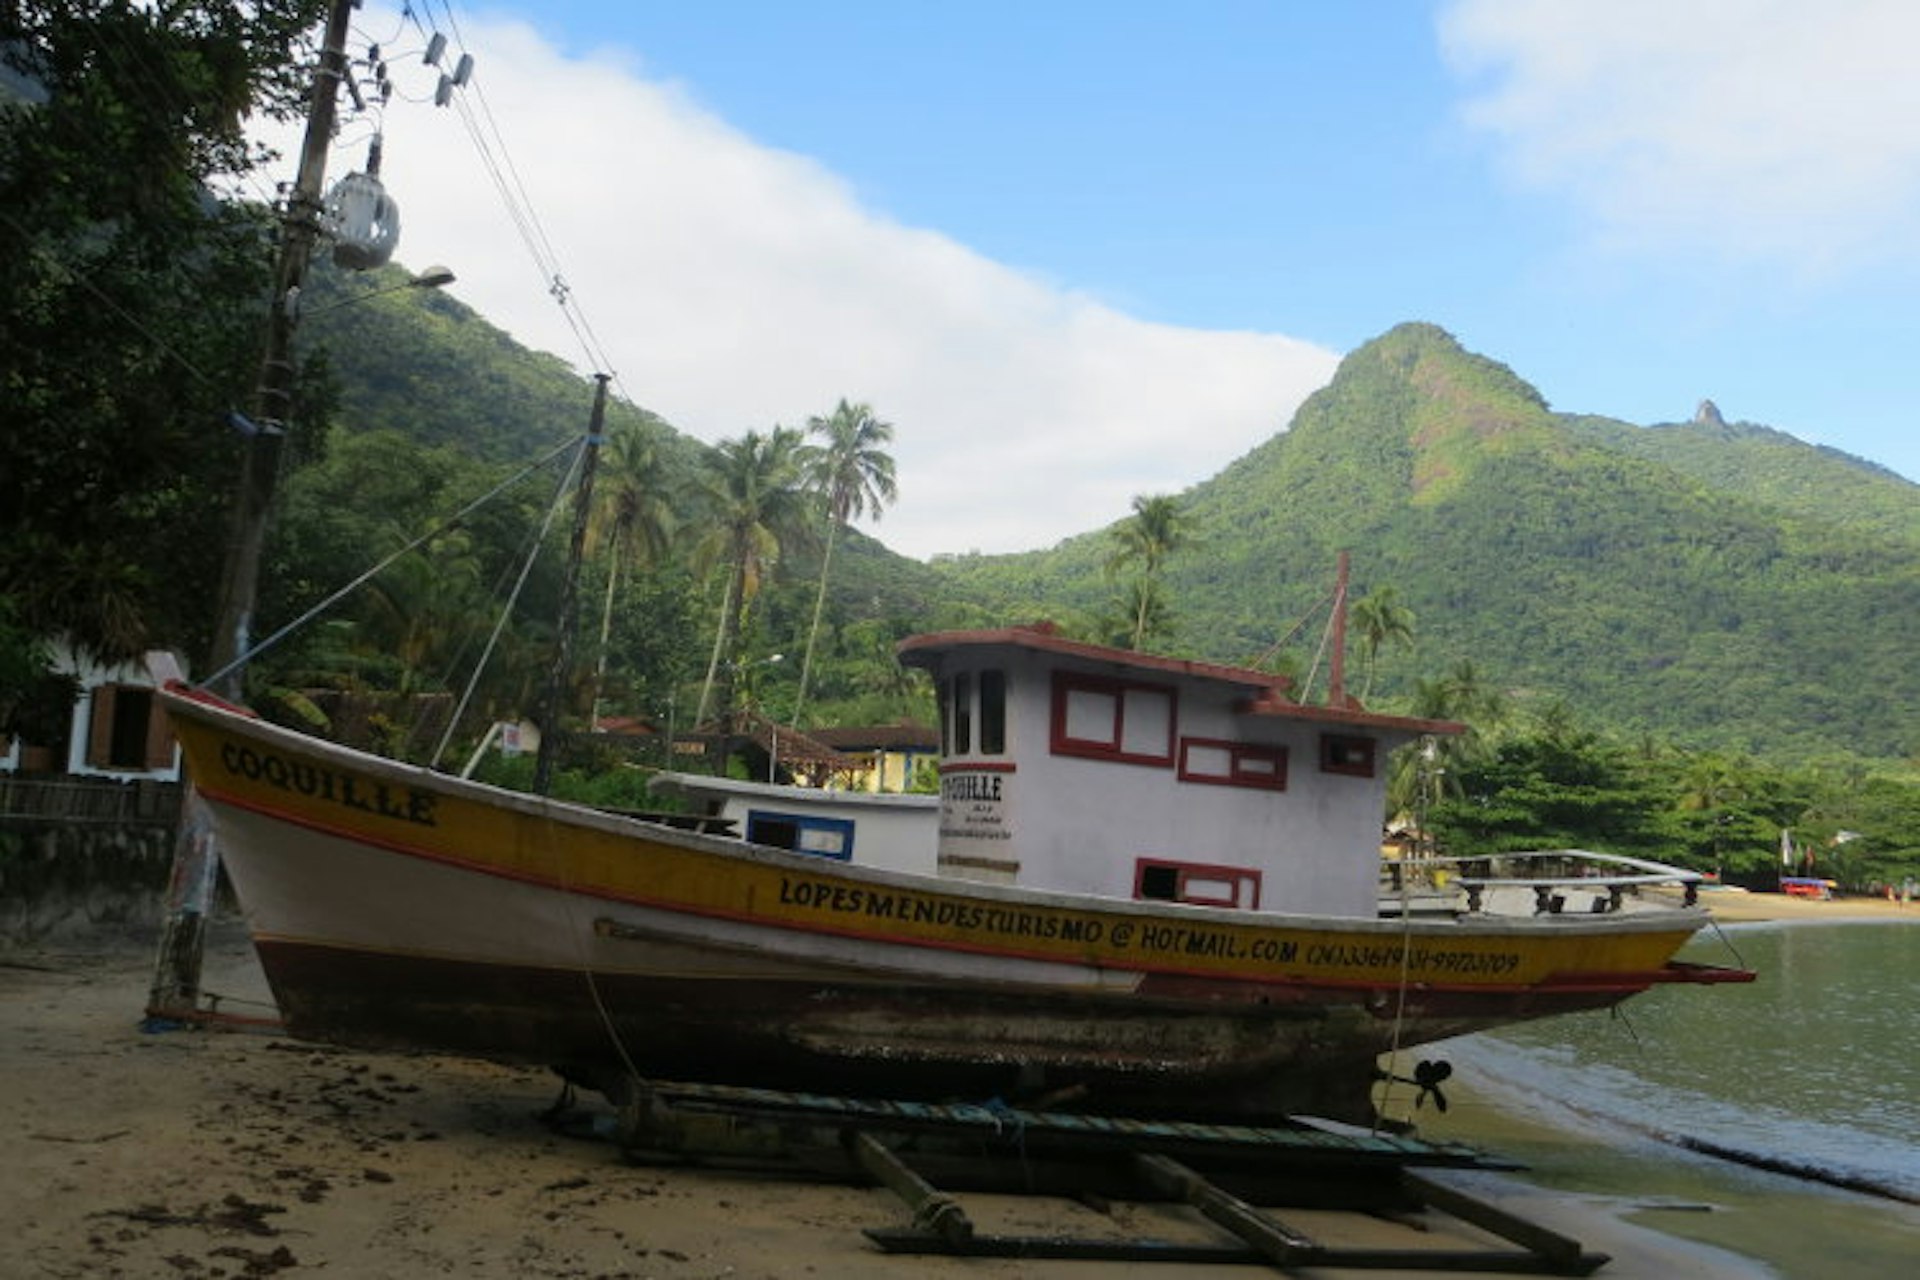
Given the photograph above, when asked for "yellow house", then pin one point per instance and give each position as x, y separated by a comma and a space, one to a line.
888, 754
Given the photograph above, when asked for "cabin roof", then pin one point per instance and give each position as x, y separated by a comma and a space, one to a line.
1265, 692
923, 651
706, 787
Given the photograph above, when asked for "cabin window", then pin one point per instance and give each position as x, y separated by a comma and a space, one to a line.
127, 730
1346, 753
1233, 764
802, 833
962, 713
1201, 884
993, 713
1112, 719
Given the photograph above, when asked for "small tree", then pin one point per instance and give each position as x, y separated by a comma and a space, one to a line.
854, 473
1158, 528
1380, 619
752, 487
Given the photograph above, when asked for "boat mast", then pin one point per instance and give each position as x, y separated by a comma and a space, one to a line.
555, 697
1337, 672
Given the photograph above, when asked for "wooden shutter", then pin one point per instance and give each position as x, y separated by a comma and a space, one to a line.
100, 727
159, 736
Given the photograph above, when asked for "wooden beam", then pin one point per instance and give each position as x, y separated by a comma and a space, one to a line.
1270, 1237
931, 1207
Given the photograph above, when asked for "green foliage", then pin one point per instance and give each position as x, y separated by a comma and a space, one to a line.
604, 779
424, 364
129, 306
1158, 529
1813, 483
1553, 790
1553, 784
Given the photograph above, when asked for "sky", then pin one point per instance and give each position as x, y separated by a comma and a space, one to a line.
1076, 251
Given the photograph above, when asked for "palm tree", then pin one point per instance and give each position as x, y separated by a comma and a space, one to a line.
1709, 785
753, 488
1158, 528
631, 519
855, 475
1380, 619
1425, 770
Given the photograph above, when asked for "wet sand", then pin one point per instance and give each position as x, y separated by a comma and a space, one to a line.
222, 1153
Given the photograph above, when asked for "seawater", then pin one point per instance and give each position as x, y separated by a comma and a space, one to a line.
1813, 1072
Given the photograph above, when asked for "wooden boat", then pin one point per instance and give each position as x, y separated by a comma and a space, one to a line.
1157, 892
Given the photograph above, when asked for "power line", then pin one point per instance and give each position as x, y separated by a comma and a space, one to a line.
489, 142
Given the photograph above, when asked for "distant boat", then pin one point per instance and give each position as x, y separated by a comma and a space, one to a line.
1155, 891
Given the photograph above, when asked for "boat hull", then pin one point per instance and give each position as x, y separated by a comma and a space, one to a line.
397, 908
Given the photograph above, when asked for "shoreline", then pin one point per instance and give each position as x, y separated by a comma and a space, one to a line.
1734, 906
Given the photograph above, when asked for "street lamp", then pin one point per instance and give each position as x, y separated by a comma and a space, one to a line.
729, 705
434, 277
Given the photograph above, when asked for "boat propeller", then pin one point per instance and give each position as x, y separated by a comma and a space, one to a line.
1428, 1075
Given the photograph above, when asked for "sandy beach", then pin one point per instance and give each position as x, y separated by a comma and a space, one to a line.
241, 1153
1731, 906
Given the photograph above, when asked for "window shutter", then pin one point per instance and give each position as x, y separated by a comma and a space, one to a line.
159, 737
100, 727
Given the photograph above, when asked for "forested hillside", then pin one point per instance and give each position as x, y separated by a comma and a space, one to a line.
1773, 468
429, 406
1763, 598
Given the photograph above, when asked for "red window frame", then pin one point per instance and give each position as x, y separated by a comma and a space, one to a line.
1237, 754
1066, 684
1238, 877
1348, 753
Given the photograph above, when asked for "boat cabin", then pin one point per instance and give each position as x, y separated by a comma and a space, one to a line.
1086, 769
889, 830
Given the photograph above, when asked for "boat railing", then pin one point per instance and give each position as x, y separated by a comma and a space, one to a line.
1605, 880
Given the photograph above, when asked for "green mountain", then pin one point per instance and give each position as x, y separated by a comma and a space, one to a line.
1774, 468
1711, 584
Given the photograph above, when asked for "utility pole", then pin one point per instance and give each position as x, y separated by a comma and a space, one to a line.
260, 470
569, 585
175, 992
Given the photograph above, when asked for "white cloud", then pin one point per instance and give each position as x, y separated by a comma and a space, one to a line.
735, 286
1774, 129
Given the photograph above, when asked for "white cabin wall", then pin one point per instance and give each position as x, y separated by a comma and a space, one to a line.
1079, 825
893, 838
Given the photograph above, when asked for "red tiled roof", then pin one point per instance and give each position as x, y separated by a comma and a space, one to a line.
879, 737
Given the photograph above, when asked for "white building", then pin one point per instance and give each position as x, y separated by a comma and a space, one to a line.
117, 730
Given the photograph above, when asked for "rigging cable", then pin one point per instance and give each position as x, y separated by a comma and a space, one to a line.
489, 142
500, 623
444, 526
